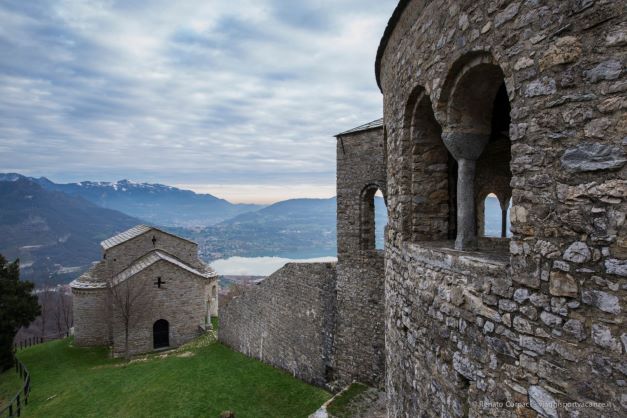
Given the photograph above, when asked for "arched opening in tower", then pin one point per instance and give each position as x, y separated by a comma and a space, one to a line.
476, 108
373, 218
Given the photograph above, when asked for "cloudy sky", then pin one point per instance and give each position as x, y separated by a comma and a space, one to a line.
240, 99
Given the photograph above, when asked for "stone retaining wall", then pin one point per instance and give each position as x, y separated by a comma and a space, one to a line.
286, 321
359, 332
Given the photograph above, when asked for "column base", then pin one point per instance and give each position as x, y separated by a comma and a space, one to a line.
466, 244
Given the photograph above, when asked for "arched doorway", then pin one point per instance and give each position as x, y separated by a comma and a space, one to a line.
161, 334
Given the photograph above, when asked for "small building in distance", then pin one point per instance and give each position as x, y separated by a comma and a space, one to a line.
149, 285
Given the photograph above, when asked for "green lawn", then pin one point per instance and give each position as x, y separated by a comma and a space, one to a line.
10, 383
340, 407
199, 380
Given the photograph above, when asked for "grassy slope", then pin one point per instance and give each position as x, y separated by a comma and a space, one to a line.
10, 383
340, 406
69, 381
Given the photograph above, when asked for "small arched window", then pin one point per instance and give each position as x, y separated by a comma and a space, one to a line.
496, 221
373, 218
492, 216
380, 220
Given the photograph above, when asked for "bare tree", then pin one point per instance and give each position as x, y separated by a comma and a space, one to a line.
63, 311
57, 313
65, 306
46, 296
55, 317
130, 300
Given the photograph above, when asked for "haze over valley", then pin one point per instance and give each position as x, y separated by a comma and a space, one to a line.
55, 229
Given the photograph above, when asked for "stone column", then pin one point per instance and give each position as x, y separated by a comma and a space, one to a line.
466, 147
504, 223
466, 215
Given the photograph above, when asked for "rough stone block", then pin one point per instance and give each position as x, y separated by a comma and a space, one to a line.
563, 284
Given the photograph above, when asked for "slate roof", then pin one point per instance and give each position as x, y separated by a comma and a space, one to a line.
158, 255
124, 236
130, 234
94, 278
365, 127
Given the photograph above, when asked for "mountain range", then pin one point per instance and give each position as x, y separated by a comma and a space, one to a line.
55, 229
154, 203
55, 235
295, 228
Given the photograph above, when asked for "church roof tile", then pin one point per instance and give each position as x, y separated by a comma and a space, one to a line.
129, 234
365, 127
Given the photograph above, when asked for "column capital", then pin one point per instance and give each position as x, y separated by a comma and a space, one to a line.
465, 145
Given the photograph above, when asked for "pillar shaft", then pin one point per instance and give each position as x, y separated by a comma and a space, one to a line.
466, 217
466, 147
503, 223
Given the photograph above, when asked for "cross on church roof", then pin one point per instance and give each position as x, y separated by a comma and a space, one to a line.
159, 282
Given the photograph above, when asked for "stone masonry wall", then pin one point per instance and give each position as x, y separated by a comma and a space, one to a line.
212, 297
360, 166
286, 321
121, 256
182, 301
91, 317
544, 326
359, 330
359, 333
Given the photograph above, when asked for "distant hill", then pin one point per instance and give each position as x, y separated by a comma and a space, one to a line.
297, 227
55, 229
54, 235
153, 203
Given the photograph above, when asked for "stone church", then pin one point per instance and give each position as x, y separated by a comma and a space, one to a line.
522, 100
149, 284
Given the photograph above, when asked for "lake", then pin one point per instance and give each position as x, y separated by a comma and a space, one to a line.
266, 265
259, 266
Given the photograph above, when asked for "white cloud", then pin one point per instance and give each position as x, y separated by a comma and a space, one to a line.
186, 92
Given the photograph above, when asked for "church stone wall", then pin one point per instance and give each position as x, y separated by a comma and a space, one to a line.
543, 327
121, 256
286, 321
182, 301
91, 317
